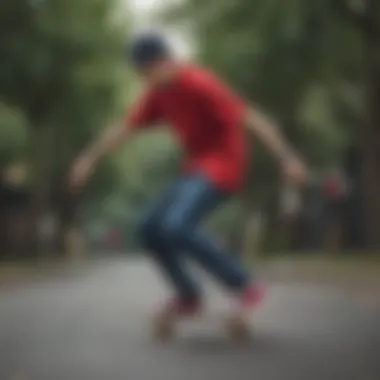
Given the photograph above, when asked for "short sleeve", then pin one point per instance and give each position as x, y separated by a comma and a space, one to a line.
225, 105
145, 112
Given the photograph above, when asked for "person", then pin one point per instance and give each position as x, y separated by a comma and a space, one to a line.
208, 119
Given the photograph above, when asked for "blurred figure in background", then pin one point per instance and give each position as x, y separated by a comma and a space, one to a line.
208, 119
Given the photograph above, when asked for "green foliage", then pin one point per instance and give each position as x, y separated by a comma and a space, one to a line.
13, 134
62, 79
63, 68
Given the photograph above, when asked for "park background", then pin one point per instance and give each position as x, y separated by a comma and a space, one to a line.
313, 66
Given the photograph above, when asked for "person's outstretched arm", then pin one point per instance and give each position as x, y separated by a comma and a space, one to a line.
87, 162
113, 138
230, 109
270, 135
144, 113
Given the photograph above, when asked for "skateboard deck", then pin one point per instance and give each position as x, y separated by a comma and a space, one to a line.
237, 327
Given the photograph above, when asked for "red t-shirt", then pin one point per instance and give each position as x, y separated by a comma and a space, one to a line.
208, 120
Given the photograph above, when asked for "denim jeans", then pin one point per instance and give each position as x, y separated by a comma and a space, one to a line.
171, 230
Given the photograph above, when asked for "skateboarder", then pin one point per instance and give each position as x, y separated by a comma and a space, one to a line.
208, 119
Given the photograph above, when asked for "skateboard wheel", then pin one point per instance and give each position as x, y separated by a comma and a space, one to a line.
238, 328
163, 329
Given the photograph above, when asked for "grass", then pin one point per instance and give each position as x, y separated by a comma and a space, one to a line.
13, 272
336, 260
307, 258
354, 268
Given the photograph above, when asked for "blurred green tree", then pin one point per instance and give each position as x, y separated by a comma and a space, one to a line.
364, 17
62, 67
13, 135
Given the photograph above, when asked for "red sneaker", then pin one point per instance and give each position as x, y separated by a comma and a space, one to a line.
244, 303
176, 309
182, 307
251, 297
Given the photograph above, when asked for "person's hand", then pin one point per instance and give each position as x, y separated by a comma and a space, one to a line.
295, 170
80, 173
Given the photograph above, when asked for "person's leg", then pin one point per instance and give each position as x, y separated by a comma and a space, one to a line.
195, 198
169, 259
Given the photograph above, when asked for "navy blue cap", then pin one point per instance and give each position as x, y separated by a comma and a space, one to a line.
148, 48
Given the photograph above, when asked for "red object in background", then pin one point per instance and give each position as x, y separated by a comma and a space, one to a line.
333, 186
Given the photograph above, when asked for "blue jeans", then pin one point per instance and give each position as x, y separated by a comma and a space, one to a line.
171, 229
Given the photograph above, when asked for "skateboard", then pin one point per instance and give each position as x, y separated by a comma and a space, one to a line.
236, 327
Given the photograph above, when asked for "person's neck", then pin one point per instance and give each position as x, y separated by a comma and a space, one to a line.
171, 75
174, 70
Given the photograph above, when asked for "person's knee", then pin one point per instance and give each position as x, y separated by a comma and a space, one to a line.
174, 231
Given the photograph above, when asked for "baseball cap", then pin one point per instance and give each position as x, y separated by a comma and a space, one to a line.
147, 48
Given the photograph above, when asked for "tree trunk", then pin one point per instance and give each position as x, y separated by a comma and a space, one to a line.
4, 216
42, 157
371, 134
66, 224
4, 240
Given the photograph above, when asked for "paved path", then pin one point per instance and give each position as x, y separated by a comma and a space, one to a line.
94, 325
